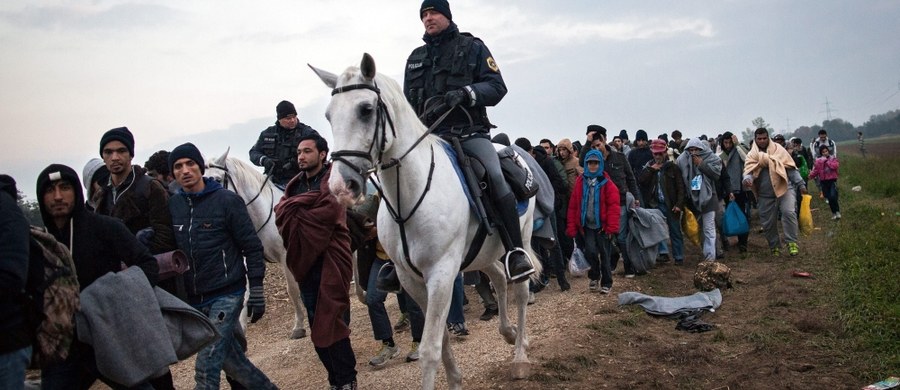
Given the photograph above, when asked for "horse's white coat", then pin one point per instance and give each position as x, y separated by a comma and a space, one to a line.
439, 232
248, 182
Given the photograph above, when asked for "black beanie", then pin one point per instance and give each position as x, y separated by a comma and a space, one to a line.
599, 129
623, 134
524, 143
120, 134
441, 6
664, 137
641, 135
8, 184
284, 109
187, 150
501, 138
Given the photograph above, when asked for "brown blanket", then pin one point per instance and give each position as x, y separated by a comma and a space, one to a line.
777, 159
313, 226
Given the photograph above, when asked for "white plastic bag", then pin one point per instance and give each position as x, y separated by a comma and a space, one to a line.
578, 265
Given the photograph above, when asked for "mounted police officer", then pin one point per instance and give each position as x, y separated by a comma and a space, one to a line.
276, 148
455, 71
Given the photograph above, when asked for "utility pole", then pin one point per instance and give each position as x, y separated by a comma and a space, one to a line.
828, 109
788, 125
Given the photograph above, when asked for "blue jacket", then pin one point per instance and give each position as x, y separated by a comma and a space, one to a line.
215, 231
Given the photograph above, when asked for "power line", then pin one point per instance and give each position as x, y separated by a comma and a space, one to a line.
828, 110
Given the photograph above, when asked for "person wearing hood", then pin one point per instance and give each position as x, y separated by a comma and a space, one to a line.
15, 346
94, 176
454, 73
99, 244
593, 216
700, 169
131, 196
213, 227
733, 156
771, 173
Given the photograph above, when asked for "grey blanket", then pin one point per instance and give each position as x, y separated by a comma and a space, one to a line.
666, 306
646, 229
121, 319
138, 331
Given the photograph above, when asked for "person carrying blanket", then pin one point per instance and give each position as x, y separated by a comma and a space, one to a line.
701, 168
313, 225
771, 173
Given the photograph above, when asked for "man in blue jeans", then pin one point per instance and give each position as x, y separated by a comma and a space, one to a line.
213, 228
663, 189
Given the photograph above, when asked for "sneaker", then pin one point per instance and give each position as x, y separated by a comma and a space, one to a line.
629, 276
594, 285
402, 323
793, 249
605, 290
458, 330
563, 284
838, 215
488, 314
531, 298
413, 354
662, 259
386, 353
742, 248
679, 261
776, 251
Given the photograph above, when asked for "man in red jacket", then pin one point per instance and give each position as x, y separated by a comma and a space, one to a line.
594, 217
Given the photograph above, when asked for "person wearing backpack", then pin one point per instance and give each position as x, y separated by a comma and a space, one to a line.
98, 244
15, 345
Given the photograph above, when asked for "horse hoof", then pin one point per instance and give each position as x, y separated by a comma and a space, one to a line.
519, 370
298, 334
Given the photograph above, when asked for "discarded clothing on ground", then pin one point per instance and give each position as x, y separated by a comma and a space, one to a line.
691, 322
666, 306
646, 229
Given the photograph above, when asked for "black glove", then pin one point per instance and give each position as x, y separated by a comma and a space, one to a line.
456, 97
256, 305
269, 164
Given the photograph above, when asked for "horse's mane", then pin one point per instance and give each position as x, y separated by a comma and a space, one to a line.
244, 172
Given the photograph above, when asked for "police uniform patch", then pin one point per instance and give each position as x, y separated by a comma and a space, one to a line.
492, 64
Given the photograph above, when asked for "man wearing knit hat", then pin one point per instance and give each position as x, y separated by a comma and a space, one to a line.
99, 244
213, 228
276, 148
455, 73
640, 154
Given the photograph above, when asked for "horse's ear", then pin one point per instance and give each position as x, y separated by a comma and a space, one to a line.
367, 67
330, 79
225, 155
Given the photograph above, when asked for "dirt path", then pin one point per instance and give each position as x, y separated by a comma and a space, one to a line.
773, 331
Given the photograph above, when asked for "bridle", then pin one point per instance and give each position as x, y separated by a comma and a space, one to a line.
228, 179
382, 121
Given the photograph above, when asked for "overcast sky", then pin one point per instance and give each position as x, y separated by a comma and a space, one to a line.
212, 72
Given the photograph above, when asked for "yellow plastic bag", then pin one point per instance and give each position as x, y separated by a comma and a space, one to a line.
806, 220
689, 227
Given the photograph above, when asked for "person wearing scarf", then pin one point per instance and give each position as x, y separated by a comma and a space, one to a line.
700, 169
593, 216
771, 173
733, 156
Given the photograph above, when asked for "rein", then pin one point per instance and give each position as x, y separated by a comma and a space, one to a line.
228, 179
382, 120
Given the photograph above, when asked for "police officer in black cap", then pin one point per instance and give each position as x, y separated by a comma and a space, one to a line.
455, 71
276, 148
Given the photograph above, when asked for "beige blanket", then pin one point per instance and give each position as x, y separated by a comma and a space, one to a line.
777, 159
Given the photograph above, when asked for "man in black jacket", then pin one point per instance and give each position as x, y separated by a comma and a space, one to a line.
15, 345
99, 244
276, 148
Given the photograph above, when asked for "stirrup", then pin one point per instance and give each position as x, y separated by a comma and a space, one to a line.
521, 276
387, 279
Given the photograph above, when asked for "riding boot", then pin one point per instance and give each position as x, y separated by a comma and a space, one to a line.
387, 279
517, 264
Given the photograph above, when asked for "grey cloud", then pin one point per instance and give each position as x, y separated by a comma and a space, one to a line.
118, 17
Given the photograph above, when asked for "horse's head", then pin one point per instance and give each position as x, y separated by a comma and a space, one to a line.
217, 169
360, 113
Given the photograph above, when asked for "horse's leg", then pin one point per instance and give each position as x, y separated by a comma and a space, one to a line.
434, 299
293, 291
454, 376
521, 367
498, 279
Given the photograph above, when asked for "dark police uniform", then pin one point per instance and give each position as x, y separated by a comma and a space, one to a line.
452, 61
280, 144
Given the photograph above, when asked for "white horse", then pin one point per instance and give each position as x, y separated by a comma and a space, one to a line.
374, 126
260, 196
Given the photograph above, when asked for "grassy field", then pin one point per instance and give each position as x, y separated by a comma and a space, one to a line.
866, 254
